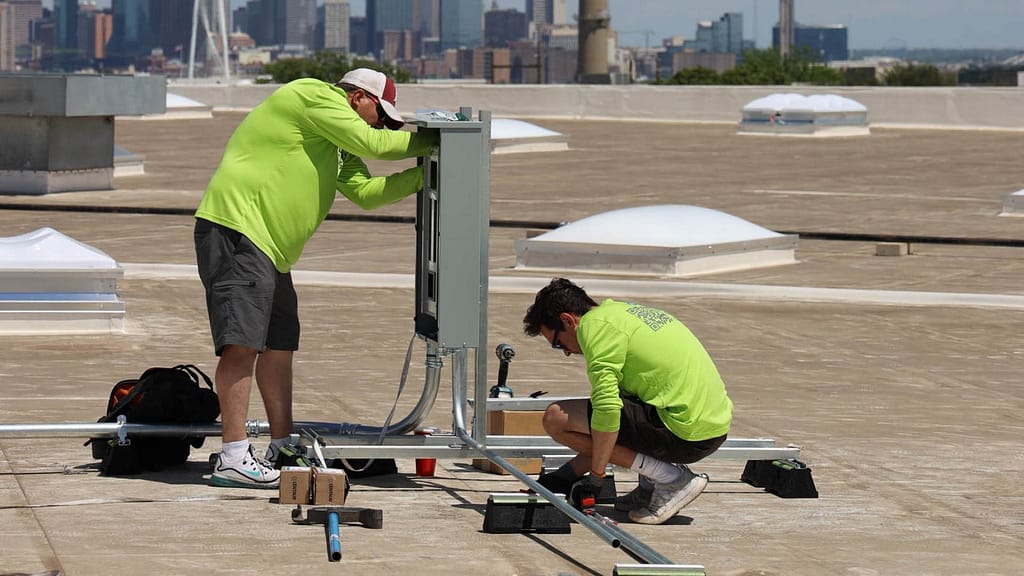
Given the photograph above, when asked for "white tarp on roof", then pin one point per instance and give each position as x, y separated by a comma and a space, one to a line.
789, 114
50, 283
675, 240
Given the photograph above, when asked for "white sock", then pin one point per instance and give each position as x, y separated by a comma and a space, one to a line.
233, 452
658, 471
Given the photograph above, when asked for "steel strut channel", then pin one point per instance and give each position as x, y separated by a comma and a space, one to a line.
600, 526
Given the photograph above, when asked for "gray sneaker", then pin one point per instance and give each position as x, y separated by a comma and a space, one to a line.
638, 498
251, 472
668, 499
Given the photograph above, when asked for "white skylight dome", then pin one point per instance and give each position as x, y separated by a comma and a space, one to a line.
511, 136
1013, 204
52, 283
790, 114
673, 240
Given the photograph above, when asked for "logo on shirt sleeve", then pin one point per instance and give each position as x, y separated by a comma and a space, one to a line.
654, 318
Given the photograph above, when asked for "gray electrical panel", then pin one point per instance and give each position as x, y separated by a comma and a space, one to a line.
452, 232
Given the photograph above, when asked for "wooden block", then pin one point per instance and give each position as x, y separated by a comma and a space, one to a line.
892, 249
513, 423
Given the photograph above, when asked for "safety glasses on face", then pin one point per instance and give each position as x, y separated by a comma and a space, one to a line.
555, 344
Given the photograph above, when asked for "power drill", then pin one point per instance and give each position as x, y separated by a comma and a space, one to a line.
505, 354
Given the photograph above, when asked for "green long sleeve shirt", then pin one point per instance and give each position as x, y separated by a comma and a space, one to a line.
634, 350
286, 161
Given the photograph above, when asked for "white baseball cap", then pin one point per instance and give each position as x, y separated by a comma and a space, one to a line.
381, 87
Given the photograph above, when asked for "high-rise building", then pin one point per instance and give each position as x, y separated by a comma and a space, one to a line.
724, 35
823, 43
504, 26
133, 35
65, 15
461, 23
336, 25
296, 23
94, 30
172, 24
358, 35
540, 12
384, 15
26, 12
7, 45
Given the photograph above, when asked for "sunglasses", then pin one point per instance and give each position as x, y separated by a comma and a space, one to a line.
381, 114
554, 339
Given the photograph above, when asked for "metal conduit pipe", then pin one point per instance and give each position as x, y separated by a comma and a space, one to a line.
254, 428
599, 525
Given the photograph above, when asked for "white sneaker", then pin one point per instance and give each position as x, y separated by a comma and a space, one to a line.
638, 498
251, 472
668, 499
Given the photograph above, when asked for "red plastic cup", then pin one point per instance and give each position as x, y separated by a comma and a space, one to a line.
425, 466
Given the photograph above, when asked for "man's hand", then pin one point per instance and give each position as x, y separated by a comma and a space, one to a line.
583, 495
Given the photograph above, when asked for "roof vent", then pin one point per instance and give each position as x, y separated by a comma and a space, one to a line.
1013, 204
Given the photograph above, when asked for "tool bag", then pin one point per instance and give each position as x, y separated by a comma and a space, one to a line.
159, 396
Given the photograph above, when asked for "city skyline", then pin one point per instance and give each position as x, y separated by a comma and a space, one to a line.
872, 24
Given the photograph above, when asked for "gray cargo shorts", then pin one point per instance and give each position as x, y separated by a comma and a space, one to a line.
249, 302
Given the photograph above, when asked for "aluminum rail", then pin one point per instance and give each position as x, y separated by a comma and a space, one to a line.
603, 527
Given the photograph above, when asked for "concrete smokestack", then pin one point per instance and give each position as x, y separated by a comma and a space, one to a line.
592, 64
786, 28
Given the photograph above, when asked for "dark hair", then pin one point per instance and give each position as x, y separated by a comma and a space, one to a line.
559, 296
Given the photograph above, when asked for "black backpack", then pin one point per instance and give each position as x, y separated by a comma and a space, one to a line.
159, 396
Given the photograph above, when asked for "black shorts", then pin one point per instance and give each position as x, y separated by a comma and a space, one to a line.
249, 302
641, 429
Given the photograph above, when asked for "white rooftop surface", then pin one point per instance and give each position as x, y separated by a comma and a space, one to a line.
673, 239
178, 107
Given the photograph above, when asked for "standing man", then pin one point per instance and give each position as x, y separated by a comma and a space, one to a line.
275, 184
656, 402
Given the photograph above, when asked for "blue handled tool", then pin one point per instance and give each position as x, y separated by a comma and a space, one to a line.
333, 537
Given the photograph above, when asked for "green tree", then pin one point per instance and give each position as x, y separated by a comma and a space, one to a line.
327, 66
698, 75
917, 75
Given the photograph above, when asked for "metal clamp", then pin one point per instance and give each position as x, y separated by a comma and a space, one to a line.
122, 431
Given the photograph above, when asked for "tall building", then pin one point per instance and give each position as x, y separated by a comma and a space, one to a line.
7, 44
384, 15
26, 12
94, 31
65, 15
540, 12
336, 25
296, 23
504, 26
823, 43
133, 35
172, 24
724, 35
461, 23
358, 35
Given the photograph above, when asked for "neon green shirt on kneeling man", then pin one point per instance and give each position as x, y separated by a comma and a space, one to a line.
281, 168
634, 350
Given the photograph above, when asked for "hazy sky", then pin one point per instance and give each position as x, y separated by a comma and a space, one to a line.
871, 23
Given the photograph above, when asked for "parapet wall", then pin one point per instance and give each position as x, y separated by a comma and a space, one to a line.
995, 108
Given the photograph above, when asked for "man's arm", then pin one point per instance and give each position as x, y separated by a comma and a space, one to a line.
369, 192
335, 120
605, 354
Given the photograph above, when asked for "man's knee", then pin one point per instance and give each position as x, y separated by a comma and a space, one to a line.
554, 420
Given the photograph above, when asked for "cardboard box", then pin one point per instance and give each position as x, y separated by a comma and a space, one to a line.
513, 423
329, 486
296, 485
